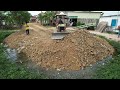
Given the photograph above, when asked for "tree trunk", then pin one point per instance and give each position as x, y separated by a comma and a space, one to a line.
0, 24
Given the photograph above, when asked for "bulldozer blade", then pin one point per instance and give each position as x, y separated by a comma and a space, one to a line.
59, 35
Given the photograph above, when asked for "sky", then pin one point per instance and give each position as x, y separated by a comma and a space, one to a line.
35, 12
105, 12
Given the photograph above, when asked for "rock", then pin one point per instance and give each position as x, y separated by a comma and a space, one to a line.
74, 57
90, 65
19, 51
5, 45
58, 69
57, 41
73, 41
22, 47
103, 63
8, 50
36, 37
47, 69
31, 44
1, 43
82, 68
21, 61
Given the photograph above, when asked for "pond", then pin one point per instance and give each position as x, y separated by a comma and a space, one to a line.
11, 54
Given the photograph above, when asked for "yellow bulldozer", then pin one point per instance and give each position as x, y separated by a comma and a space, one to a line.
61, 25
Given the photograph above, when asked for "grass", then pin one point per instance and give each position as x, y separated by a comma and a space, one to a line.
9, 70
110, 32
3, 35
112, 69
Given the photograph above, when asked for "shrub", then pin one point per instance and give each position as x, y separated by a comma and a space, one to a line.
79, 23
3, 35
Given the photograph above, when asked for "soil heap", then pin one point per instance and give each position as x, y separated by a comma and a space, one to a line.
76, 51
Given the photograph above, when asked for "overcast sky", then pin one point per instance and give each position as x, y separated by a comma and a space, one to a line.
105, 12
110, 13
34, 12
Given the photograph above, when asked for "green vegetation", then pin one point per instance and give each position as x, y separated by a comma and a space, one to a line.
13, 19
112, 69
3, 35
79, 23
9, 70
110, 32
46, 17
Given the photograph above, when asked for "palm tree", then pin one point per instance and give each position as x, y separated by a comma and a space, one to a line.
46, 17
41, 17
49, 16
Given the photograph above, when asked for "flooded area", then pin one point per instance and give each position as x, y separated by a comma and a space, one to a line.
11, 54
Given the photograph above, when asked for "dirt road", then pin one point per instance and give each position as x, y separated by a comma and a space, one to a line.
108, 36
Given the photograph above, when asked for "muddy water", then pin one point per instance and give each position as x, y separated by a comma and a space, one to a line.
86, 73
11, 54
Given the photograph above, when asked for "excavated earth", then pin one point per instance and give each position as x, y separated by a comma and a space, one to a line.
76, 51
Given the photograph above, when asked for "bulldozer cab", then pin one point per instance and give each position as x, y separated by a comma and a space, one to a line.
61, 32
63, 17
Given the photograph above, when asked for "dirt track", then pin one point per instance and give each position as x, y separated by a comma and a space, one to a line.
108, 36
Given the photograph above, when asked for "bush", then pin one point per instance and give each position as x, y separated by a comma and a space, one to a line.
79, 23
91, 28
110, 32
3, 35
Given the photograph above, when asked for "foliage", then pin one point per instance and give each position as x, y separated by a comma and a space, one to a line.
79, 23
112, 69
12, 18
46, 17
3, 35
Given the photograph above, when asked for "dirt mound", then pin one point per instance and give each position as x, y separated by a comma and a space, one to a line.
77, 50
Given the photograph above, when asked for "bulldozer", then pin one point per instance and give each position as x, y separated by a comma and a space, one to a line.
60, 31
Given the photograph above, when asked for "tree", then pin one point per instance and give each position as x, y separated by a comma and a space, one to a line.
2, 19
46, 17
20, 17
41, 17
12, 18
9, 20
49, 16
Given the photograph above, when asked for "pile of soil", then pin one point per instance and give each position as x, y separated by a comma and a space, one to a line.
76, 51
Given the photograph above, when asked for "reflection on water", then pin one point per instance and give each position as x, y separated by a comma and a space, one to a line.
14, 56
11, 54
